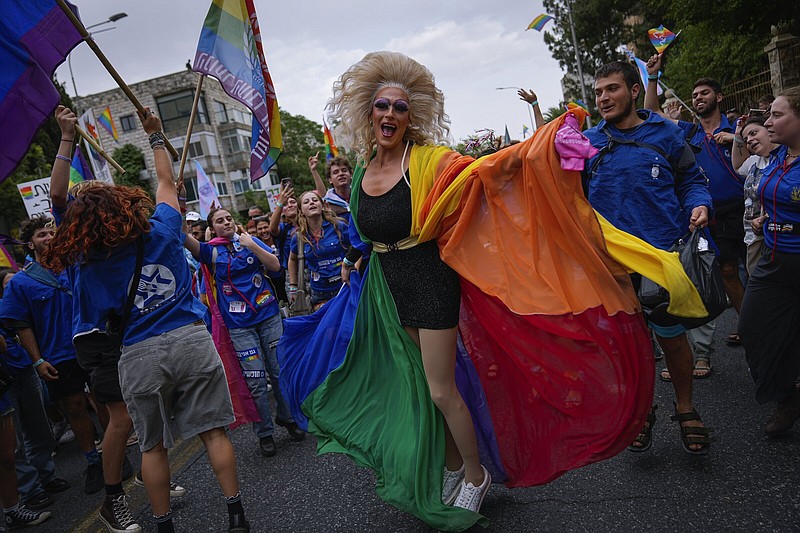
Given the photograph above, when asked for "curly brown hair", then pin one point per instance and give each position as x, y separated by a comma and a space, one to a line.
98, 220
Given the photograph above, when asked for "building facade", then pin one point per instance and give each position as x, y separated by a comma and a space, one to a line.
220, 139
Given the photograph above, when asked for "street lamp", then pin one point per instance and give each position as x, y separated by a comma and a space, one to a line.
533, 128
113, 18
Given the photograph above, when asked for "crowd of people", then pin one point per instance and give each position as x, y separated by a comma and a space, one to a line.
136, 320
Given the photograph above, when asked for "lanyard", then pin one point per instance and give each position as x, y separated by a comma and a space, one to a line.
774, 202
230, 258
731, 173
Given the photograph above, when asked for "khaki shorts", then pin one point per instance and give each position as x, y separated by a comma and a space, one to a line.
174, 384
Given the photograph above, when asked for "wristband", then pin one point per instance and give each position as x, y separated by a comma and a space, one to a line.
347, 262
653, 77
63, 158
67, 140
278, 204
156, 138
39, 362
535, 103
292, 289
181, 198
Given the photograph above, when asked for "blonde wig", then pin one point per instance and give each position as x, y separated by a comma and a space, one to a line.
350, 107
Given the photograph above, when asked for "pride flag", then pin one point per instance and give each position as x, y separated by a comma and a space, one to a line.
661, 38
206, 191
6, 259
107, 122
80, 170
330, 147
230, 50
35, 37
539, 22
26, 192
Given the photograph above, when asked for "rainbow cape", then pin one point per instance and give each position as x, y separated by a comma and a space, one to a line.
554, 358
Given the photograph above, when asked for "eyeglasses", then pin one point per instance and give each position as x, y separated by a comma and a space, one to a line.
383, 104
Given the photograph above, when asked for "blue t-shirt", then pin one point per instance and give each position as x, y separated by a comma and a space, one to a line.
724, 183
640, 191
45, 309
244, 294
324, 257
284, 241
16, 358
779, 192
163, 300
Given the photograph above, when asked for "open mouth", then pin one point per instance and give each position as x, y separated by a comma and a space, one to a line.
388, 130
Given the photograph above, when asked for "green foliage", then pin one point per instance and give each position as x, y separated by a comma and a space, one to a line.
553, 113
302, 138
132, 160
257, 198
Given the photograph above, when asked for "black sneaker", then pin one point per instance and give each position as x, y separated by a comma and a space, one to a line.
56, 485
40, 501
237, 523
116, 515
22, 517
267, 445
295, 432
94, 479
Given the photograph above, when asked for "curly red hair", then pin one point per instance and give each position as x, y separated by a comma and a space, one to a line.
99, 219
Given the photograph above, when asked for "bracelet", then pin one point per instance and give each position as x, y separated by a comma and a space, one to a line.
278, 204
347, 262
39, 362
653, 77
67, 140
292, 289
181, 198
535, 103
63, 158
738, 140
157, 138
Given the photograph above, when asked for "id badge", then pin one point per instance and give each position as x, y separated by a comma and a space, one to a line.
236, 307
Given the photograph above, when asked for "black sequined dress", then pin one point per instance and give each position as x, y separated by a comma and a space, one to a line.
426, 291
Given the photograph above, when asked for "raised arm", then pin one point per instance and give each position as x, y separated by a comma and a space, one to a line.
275, 222
59, 177
268, 259
651, 94
313, 162
530, 97
739, 149
165, 192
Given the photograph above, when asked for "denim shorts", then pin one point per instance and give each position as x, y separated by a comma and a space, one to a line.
174, 385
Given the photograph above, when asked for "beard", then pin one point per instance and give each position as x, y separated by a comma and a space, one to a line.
623, 114
710, 109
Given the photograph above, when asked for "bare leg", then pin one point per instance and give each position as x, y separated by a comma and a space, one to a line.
119, 425
155, 474
222, 459
438, 349
75, 408
732, 283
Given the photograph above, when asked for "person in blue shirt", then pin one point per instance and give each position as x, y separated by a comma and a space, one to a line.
282, 225
37, 304
770, 319
170, 374
325, 241
339, 174
242, 266
645, 181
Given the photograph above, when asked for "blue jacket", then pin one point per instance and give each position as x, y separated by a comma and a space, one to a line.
647, 191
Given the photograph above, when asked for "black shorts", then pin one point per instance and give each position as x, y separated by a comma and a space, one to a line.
727, 230
102, 368
71, 380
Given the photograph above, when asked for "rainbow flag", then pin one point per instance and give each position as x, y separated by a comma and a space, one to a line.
107, 122
539, 22
230, 51
661, 38
80, 170
35, 38
330, 147
26, 192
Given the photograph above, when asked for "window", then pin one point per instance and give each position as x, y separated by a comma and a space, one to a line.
235, 141
241, 186
256, 185
128, 123
222, 187
242, 117
220, 112
191, 189
195, 150
175, 110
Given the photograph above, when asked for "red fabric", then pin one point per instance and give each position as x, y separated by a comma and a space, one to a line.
563, 390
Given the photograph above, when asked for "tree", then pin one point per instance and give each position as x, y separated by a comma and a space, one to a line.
302, 138
553, 113
132, 160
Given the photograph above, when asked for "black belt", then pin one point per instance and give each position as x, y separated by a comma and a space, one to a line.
788, 227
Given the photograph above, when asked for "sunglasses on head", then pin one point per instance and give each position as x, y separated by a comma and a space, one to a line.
383, 104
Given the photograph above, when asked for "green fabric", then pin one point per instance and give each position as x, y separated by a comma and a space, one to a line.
377, 409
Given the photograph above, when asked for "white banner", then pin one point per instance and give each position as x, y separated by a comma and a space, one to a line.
272, 195
36, 196
102, 170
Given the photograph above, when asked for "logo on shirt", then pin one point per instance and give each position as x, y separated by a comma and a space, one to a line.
156, 287
795, 195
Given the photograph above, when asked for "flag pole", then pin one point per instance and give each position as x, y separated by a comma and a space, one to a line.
689, 109
98, 149
577, 62
106, 63
189, 128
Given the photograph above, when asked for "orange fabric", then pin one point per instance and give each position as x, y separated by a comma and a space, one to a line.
524, 232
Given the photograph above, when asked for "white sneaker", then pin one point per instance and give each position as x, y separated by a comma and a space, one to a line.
471, 497
451, 483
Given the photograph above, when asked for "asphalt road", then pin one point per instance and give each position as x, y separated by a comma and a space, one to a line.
747, 483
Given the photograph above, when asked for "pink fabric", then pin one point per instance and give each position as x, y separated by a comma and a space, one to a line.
572, 146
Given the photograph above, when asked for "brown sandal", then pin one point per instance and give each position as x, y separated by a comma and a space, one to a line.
645, 437
693, 435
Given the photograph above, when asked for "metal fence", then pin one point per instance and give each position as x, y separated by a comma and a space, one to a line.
744, 94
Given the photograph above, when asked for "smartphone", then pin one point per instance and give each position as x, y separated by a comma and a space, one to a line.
757, 112
286, 182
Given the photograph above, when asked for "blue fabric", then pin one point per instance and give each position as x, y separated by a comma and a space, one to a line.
16, 358
284, 243
244, 294
164, 299
724, 183
779, 192
640, 192
324, 258
45, 309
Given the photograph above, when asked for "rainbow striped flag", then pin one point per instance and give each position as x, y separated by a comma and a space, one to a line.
230, 50
80, 170
26, 192
107, 122
35, 37
330, 147
539, 22
6, 259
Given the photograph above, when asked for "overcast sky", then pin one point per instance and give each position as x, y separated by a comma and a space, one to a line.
471, 48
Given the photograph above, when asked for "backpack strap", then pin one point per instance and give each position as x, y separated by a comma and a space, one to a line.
42, 275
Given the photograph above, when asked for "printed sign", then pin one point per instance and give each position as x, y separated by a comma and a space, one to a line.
36, 196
